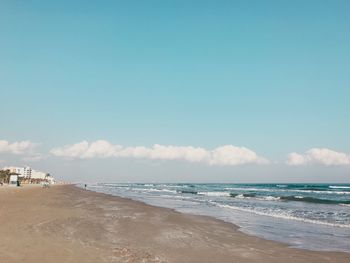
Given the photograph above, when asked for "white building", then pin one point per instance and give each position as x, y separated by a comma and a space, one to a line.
14, 180
50, 179
42, 176
39, 175
28, 173
25, 172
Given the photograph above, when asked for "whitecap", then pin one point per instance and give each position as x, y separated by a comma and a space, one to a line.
214, 193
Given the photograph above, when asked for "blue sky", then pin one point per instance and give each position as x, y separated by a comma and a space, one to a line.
272, 76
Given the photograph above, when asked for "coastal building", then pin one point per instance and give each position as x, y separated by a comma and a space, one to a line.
38, 175
50, 179
28, 175
41, 176
22, 172
14, 180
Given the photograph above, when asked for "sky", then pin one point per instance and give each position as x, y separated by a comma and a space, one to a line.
170, 91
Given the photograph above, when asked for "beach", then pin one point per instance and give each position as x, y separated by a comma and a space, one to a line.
65, 223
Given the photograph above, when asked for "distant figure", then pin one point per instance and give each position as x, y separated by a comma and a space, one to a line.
45, 185
85, 186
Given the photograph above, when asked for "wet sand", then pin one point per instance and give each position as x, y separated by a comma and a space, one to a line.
69, 224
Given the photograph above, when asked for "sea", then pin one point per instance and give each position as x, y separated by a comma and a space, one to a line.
308, 216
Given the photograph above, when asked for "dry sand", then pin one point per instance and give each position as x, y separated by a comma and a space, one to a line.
68, 224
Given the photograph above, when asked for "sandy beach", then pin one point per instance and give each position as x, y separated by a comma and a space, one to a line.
69, 224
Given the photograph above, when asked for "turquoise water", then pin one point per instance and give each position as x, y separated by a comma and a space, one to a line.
310, 216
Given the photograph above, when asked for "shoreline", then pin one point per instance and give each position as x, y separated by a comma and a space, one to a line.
68, 223
265, 213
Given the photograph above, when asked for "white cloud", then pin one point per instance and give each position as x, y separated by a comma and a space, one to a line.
296, 159
22, 147
224, 155
102, 149
71, 151
188, 153
233, 155
319, 156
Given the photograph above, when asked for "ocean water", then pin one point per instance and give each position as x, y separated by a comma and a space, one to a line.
309, 216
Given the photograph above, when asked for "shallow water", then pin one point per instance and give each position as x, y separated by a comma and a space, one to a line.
309, 216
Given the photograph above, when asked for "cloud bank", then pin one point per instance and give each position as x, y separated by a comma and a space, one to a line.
227, 155
22, 147
322, 156
221, 156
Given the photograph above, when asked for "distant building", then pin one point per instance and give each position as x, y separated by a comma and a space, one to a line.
28, 175
14, 180
39, 175
24, 172
50, 179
